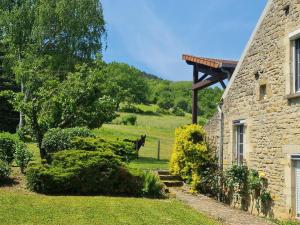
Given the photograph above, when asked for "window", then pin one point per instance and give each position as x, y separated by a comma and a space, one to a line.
240, 147
262, 91
297, 65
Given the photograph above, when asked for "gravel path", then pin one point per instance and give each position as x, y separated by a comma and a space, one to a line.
217, 210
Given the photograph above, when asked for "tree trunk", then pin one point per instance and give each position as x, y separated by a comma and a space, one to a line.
21, 121
38, 133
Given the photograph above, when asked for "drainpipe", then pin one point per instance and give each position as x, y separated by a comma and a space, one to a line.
220, 153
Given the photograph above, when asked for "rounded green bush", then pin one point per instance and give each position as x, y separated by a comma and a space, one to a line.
58, 139
84, 173
4, 170
129, 119
8, 143
126, 150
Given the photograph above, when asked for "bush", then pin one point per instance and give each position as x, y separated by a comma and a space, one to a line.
22, 156
7, 146
4, 170
60, 139
177, 111
192, 158
152, 186
84, 173
129, 119
130, 109
126, 150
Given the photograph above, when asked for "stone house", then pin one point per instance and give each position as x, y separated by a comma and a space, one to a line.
260, 111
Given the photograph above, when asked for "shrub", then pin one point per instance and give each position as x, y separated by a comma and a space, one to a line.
152, 186
126, 150
177, 111
60, 139
22, 156
192, 158
84, 173
7, 146
130, 109
129, 119
190, 152
4, 170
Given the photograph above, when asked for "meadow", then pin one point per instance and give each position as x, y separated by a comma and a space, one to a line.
157, 128
20, 206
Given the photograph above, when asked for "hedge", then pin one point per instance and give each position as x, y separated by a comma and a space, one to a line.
58, 139
126, 150
82, 172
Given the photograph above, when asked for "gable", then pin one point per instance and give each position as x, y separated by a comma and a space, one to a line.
266, 10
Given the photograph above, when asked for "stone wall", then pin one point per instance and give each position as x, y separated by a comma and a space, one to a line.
272, 122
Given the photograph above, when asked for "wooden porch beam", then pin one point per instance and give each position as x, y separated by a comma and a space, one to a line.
208, 82
195, 95
223, 84
203, 77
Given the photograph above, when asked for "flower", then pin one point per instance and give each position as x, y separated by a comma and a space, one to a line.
262, 174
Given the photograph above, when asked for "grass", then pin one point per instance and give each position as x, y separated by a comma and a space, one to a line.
28, 208
157, 128
20, 206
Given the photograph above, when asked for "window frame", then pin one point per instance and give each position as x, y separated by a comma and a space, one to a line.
296, 65
239, 156
294, 80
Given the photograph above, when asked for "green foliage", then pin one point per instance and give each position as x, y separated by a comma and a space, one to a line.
8, 144
84, 173
247, 185
191, 156
129, 119
128, 83
177, 111
4, 170
152, 186
286, 222
58, 139
125, 150
236, 182
130, 108
22, 156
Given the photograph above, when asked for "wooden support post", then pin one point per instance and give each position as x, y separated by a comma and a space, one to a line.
195, 96
158, 150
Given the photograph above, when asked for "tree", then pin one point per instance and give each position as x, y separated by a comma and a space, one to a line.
70, 31
129, 82
78, 100
44, 40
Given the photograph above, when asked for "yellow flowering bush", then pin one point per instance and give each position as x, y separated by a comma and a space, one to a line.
191, 157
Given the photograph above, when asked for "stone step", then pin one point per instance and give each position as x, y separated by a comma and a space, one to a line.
170, 183
169, 177
163, 172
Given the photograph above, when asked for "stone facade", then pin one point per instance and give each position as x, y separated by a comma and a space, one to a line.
272, 121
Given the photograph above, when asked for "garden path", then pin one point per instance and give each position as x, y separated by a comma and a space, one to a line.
217, 210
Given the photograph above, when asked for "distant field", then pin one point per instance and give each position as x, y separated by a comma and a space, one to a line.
156, 128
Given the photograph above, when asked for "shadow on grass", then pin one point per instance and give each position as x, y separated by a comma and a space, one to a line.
9, 182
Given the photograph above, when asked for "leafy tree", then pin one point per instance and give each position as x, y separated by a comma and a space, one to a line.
79, 100
129, 83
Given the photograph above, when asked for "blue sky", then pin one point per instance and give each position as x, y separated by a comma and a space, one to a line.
153, 34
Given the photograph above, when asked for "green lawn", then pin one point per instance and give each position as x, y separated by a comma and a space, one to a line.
156, 128
18, 208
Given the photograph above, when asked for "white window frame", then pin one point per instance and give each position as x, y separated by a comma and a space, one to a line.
293, 37
237, 125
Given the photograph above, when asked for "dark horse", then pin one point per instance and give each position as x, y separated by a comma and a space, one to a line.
138, 143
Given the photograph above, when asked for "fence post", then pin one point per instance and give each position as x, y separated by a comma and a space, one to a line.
158, 150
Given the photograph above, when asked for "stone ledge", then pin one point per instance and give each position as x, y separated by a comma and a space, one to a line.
292, 96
